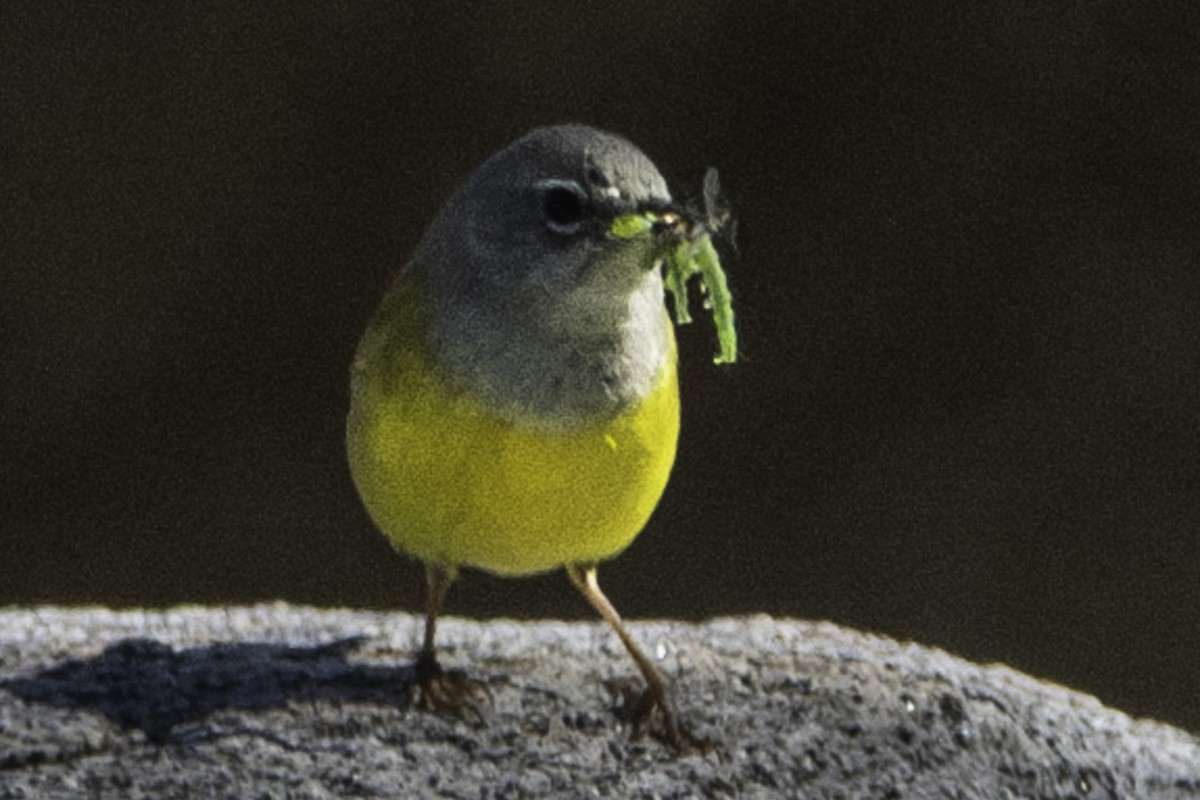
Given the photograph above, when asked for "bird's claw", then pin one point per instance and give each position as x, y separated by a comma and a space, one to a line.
649, 709
450, 691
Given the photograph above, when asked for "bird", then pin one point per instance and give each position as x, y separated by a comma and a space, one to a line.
514, 401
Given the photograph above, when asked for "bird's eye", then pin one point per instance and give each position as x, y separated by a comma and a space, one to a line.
564, 204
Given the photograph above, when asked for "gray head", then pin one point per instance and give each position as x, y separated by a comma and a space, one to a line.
535, 216
532, 301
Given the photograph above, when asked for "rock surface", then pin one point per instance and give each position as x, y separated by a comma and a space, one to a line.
285, 702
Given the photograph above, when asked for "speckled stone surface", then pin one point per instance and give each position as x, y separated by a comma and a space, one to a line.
294, 703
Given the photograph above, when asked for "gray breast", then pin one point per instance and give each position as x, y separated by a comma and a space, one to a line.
535, 367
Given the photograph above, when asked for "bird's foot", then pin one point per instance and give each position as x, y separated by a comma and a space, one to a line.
450, 691
650, 709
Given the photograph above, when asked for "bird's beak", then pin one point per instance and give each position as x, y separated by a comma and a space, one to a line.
661, 220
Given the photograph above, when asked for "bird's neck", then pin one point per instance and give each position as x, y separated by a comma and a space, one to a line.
581, 360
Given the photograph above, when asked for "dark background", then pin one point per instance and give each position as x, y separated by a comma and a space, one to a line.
967, 408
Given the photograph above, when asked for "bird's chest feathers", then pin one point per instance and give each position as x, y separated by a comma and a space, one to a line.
559, 367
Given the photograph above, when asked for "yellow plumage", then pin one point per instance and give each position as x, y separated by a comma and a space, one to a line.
452, 483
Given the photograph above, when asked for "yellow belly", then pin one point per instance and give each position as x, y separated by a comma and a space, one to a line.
451, 483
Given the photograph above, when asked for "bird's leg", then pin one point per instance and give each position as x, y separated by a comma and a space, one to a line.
437, 583
657, 695
442, 690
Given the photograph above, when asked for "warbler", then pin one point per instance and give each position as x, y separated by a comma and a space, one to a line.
514, 399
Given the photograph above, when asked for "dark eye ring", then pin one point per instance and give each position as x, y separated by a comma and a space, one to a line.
564, 205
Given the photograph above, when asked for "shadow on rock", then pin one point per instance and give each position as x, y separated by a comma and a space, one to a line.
145, 684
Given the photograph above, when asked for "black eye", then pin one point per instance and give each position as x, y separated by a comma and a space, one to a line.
564, 205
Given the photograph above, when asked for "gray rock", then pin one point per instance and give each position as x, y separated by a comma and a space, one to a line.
297, 704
